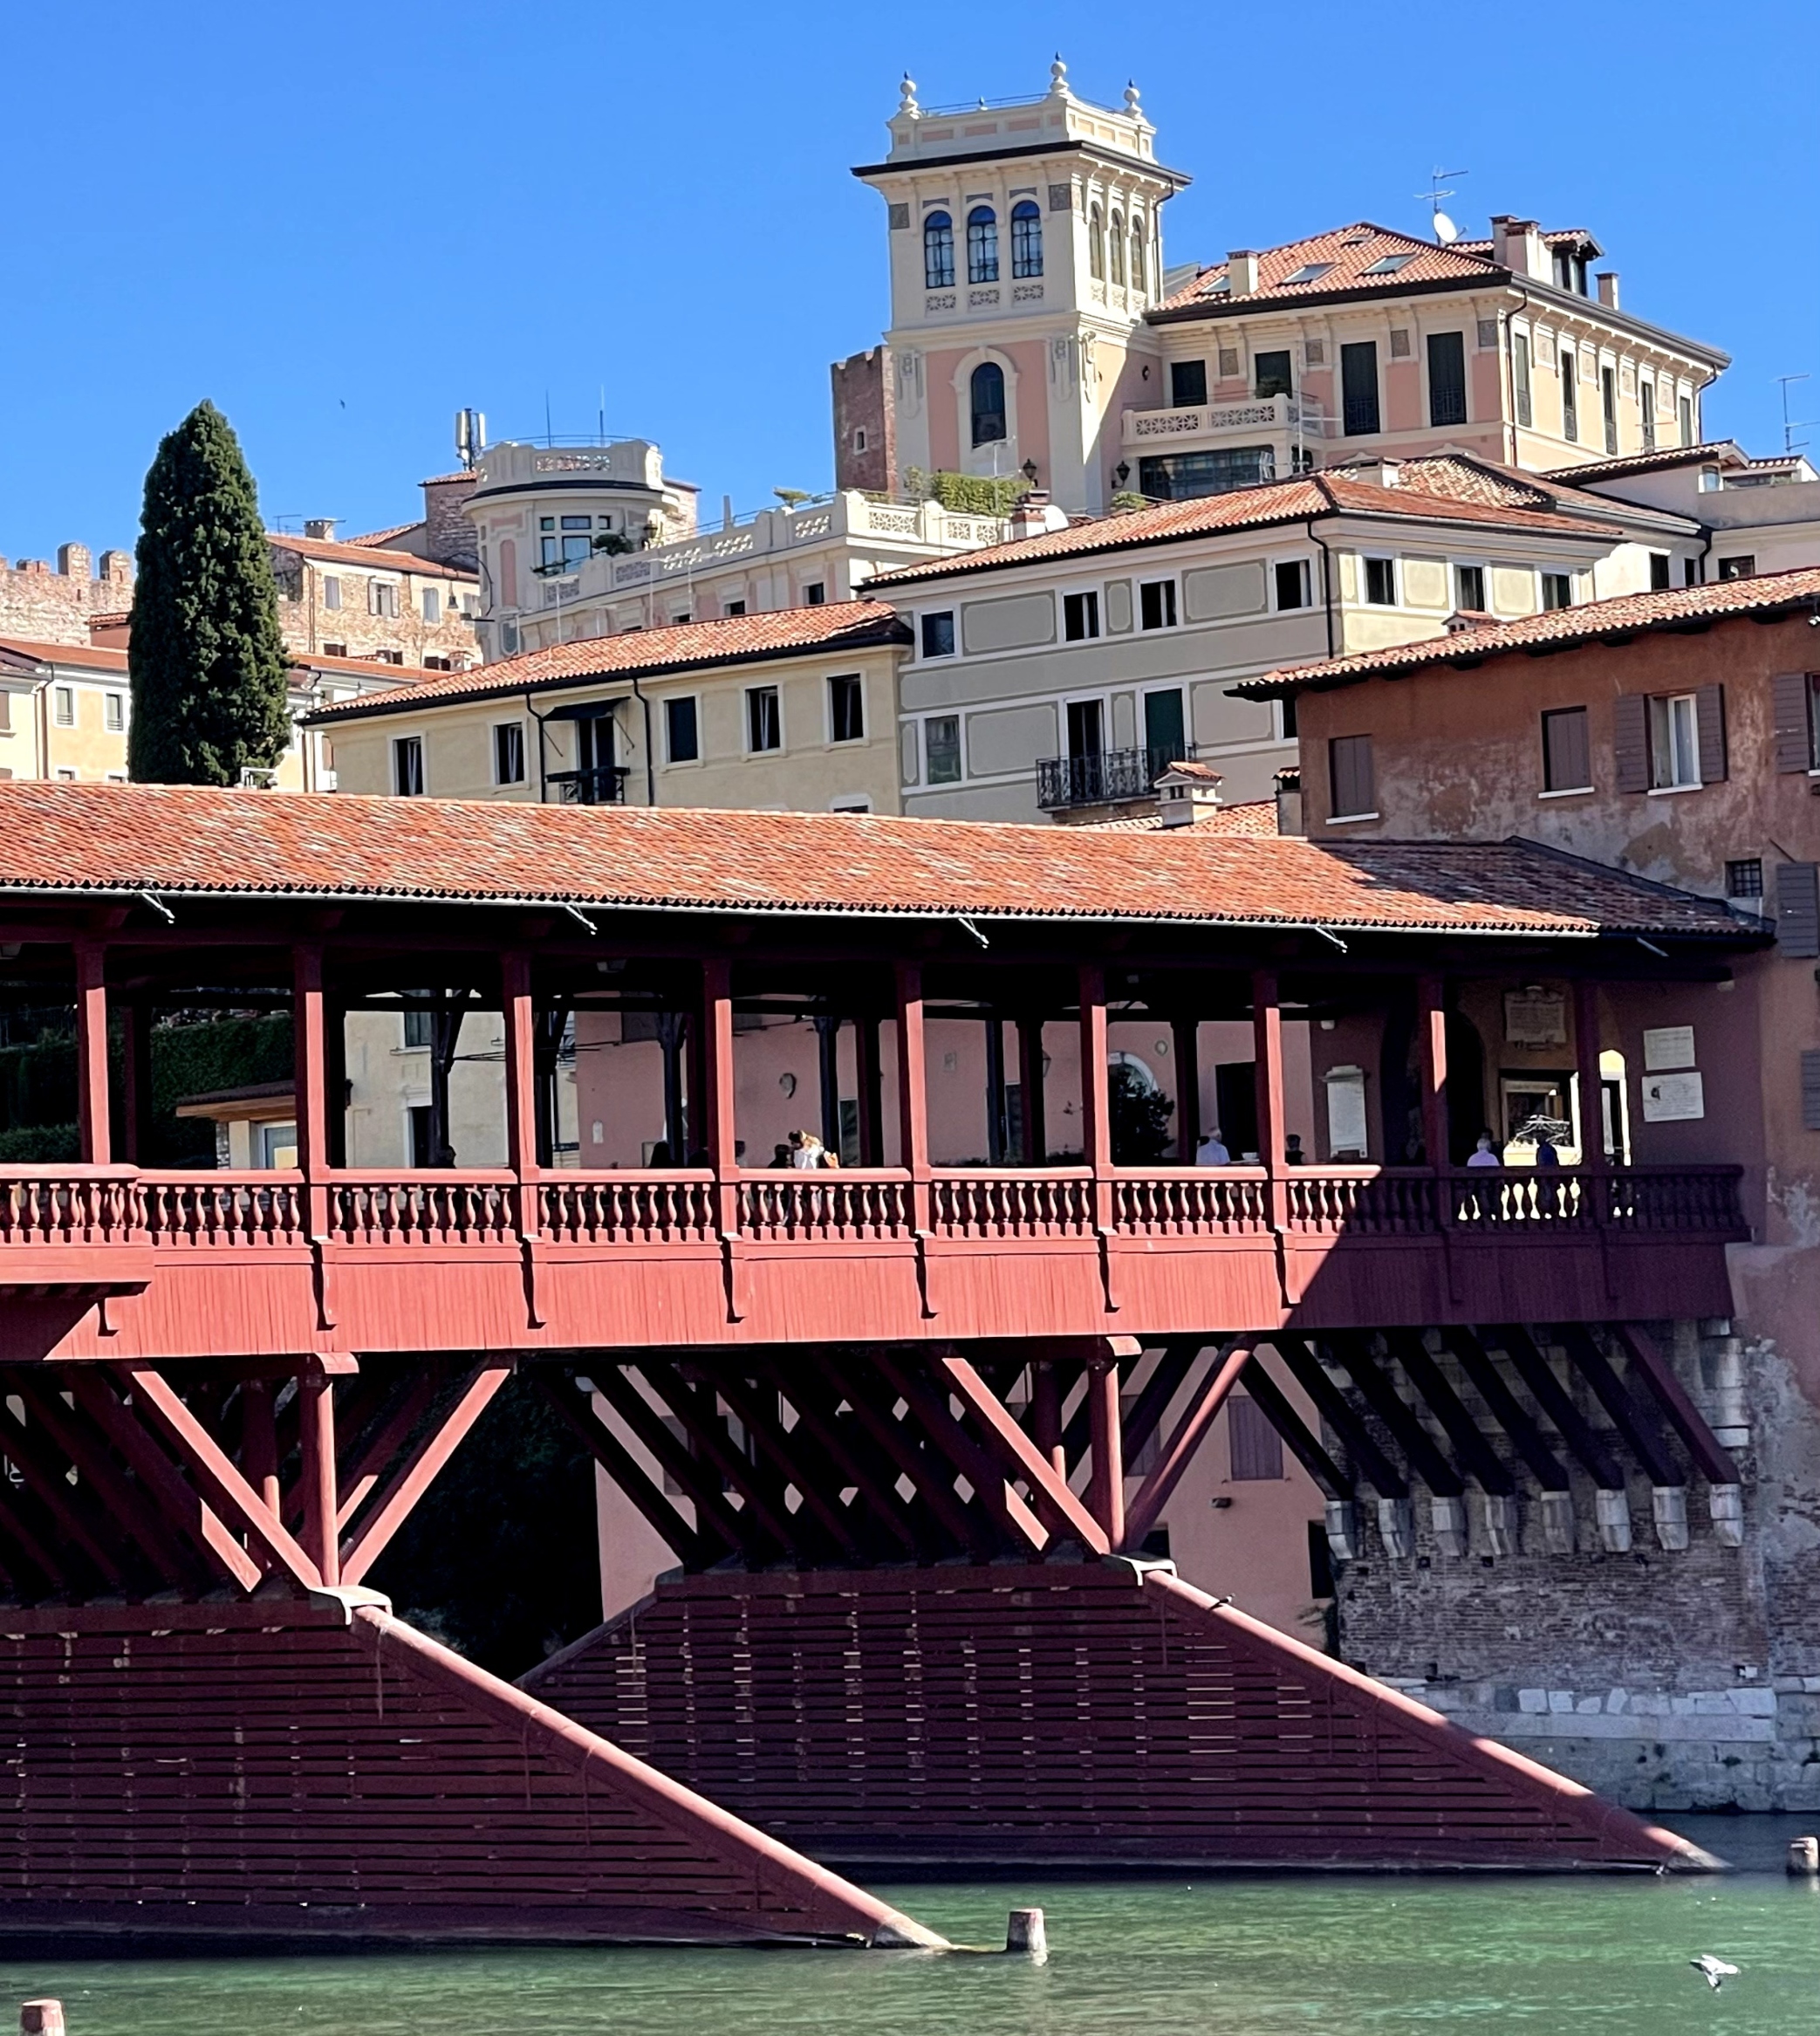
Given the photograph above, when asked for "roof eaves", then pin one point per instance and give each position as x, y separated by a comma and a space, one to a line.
1263, 302
1074, 145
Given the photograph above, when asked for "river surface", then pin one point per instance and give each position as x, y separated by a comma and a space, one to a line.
1253, 1957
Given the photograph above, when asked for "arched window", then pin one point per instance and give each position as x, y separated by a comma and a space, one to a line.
982, 245
1137, 250
987, 394
1026, 239
938, 251
1116, 238
1095, 246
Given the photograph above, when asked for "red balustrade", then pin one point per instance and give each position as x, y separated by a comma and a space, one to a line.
73, 1205
675, 1207
1209, 1202
205, 1211
1371, 1202
431, 1207
991, 1202
833, 1205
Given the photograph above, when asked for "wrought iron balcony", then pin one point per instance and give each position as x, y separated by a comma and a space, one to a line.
603, 786
1106, 776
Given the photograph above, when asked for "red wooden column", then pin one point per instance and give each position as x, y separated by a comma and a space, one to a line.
1106, 1498
717, 1130
1586, 1052
912, 1092
316, 1433
1029, 1080
92, 1105
1046, 1395
521, 1086
1096, 1120
136, 1083
259, 1441
1185, 1033
1431, 1029
313, 1081
867, 1070
1266, 1046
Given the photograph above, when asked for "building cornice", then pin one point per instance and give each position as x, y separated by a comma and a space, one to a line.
1176, 179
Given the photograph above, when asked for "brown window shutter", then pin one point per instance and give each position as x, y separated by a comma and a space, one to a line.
1630, 741
1811, 1092
1793, 744
1709, 713
1797, 908
1350, 762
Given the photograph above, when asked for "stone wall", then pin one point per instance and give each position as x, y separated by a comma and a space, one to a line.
38, 604
1668, 1679
449, 535
863, 409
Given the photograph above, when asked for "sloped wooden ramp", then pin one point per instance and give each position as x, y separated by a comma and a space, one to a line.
1088, 1714
290, 1772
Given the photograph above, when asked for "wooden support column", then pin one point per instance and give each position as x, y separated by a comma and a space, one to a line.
997, 1143
912, 1092
870, 1072
1096, 1115
1586, 1052
1185, 1034
717, 1129
1105, 1498
670, 1029
521, 1084
259, 1441
1046, 1412
132, 1142
316, 1404
92, 1105
1431, 1024
1267, 1055
1029, 1078
694, 1107
827, 1056
310, 1030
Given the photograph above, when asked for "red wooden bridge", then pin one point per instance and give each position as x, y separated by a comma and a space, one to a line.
222, 1393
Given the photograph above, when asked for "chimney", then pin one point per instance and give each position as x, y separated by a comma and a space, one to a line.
1188, 795
1516, 245
320, 527
1289, 799
1033, 515
1607, 279
1241, 272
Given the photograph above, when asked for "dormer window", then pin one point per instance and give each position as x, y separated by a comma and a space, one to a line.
1388, 265
982, 245
1026, 239
1309, 272
938, 251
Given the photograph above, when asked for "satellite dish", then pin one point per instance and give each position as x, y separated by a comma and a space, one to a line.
1445, 231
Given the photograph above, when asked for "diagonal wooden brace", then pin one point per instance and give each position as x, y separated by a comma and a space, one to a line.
1054, 1504
217, 1477
1190, 1432
415, 1474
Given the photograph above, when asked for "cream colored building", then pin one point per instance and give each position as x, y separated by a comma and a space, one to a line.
792, 711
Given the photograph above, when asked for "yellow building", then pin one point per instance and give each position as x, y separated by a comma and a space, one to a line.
794, 709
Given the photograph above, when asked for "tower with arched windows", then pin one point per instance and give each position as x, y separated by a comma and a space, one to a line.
1026, 246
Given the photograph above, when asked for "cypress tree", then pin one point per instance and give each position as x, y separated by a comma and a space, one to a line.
207, 660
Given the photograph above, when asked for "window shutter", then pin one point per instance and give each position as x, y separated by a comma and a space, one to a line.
1630, 741
1350, 757
1811, 1092
1709, 712
1790, 694
1797, 908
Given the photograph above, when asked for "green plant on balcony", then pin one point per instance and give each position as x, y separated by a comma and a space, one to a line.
1139, 1116
967, 493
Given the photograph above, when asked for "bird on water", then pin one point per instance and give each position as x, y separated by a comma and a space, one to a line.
1714, 1971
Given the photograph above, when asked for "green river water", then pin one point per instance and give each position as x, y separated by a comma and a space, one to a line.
1253, 1957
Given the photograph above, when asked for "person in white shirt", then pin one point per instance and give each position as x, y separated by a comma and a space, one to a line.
1211, 1152
1483, 1153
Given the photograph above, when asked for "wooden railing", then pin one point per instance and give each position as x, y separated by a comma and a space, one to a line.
672, 1208
1370, 1202
981, 1202
1203, 1202
837, 1204
205, 1211
430, 1207
75, 1205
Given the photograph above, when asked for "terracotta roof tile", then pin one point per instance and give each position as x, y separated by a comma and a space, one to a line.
1269, 501
1721, 451
93, 656
831, 627
1349, 250
445, 480
1623, 616
365, 668
376, 559
1254, 817
173, 840
382, 540
1469, 477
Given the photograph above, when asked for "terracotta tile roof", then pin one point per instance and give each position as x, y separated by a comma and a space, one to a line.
1553, 236
365, 668
1267, 503
1720, 452
91, 656
375, 558
445, 480
1617, 620
1255, 817
1468, 477
382, 540
178, 840
1349, 250
830, 627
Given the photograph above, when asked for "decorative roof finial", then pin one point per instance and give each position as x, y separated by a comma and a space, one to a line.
1059, 77
906, 97
1131, 99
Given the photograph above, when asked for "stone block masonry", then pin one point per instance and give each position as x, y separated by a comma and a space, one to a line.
865, 423
40, 605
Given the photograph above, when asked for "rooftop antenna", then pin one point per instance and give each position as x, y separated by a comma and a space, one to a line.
549, 433
1792, 425
600, 416
1445, 233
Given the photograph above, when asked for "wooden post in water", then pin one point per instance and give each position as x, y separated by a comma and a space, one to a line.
1024, 1935
44, 2018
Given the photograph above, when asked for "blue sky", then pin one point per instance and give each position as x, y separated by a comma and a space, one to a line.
342, 223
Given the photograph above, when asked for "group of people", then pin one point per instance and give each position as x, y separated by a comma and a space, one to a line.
803, 1152
1212, 1151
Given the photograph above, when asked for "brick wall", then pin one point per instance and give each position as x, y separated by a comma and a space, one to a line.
863, 407
42, 606
449, 537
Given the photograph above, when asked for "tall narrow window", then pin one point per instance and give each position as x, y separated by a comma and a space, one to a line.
432, 605
1358, 388
1380, 582
1446, 378
1086, 728
509, 752
1080, 617
1115, 247
330, 591
937, 634
65, 699
1137, 269
1026, 239
938, 251
682, 739
1566, 753
942, 749
1683, 410
1349, 768
1188, 383
1096, 245
1520, 378
1674, 741
982, 245
764, 719
1270, 374
1156, 604
987, 394
113, 711
1570, 394
847, 708
1470, 589
1608, 405
407, 766
1646, 413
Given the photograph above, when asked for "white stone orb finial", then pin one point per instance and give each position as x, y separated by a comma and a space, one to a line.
907, 97
1059, 77
1131, 99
